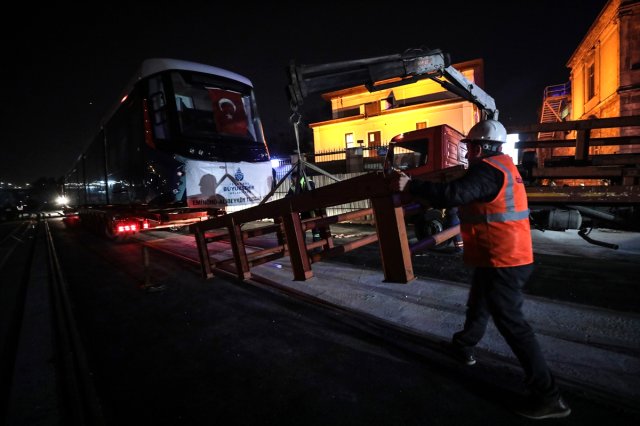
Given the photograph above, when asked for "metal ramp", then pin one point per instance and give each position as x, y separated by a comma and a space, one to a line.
283, 215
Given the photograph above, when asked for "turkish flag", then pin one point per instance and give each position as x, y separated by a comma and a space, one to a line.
228, 112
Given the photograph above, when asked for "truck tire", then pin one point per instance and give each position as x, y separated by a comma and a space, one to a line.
110, 233
429, 223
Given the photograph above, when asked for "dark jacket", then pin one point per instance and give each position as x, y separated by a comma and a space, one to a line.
481, 182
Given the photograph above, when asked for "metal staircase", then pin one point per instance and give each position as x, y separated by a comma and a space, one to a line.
555, 100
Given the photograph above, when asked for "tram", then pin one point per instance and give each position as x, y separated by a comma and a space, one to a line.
185, 139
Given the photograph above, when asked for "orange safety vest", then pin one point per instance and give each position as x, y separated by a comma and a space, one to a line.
497, 233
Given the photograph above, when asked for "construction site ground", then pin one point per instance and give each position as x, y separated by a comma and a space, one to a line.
583, 301
348, 349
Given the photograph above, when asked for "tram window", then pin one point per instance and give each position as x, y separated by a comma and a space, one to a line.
194, 122
157, 101
195, 113
184, 102
158, 108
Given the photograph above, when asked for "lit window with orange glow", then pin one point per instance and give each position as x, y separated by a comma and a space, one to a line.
590, 80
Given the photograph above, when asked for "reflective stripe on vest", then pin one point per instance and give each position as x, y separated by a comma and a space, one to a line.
510, 213
497, 233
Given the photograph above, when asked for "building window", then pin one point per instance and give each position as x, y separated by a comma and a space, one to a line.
421, 125
371, 109
590, 83
349, 140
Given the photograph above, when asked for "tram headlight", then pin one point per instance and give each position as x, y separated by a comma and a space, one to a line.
62, 200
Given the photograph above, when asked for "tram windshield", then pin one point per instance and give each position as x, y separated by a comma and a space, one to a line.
208, 106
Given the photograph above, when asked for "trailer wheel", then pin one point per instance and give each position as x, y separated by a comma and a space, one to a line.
110, 233
430, 223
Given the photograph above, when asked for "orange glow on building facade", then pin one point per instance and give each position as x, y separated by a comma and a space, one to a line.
605, 73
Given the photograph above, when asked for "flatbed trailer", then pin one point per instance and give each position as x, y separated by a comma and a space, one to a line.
121, 222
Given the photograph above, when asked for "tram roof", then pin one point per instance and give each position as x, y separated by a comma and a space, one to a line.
155, 65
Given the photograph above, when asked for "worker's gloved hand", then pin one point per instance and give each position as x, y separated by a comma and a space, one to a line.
398, 181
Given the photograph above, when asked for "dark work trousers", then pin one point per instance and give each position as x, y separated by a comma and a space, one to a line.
497, 293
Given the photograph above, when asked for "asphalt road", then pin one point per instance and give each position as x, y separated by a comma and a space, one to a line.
219, 351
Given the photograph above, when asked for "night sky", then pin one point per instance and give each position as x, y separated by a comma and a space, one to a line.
63, 67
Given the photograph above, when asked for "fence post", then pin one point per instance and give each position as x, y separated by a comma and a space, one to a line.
355, 162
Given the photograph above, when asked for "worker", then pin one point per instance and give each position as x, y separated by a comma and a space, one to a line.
451, 219
300, 182
494, 223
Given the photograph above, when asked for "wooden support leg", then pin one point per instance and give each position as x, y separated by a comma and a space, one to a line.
393, 240
280, 235
203, 253
582, 144
295, 236
238, 247
325, 232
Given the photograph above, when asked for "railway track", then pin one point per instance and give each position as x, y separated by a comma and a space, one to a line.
16, 249
45, 373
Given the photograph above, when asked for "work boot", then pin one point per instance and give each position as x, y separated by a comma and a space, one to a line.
555, 409
460, 354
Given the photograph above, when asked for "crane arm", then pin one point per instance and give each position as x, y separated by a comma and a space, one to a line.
405, 68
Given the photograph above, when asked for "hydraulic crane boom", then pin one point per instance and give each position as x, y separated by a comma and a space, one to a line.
375, 73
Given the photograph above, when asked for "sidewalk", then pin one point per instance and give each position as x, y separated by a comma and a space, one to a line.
592, 349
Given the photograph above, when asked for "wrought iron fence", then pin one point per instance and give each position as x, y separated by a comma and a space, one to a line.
339, 164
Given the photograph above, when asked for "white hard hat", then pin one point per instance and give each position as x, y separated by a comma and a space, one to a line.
487, 130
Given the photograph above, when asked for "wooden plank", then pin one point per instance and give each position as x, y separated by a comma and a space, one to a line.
569, 143
393, 241
577, 172
295, 236
596, 123
584, 195
615, 159
238, 248
341, 249
262, 230
203, 254
582, 145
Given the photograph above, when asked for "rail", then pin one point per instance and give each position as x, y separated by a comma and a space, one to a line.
388, 209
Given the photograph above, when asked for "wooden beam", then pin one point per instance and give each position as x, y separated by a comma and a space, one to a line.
584, 194
570, 143
582, 145
577, 172
238, 247
596, 123
295, 236
393, 240
203, 254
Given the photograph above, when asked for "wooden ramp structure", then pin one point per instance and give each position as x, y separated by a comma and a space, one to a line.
283, 218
